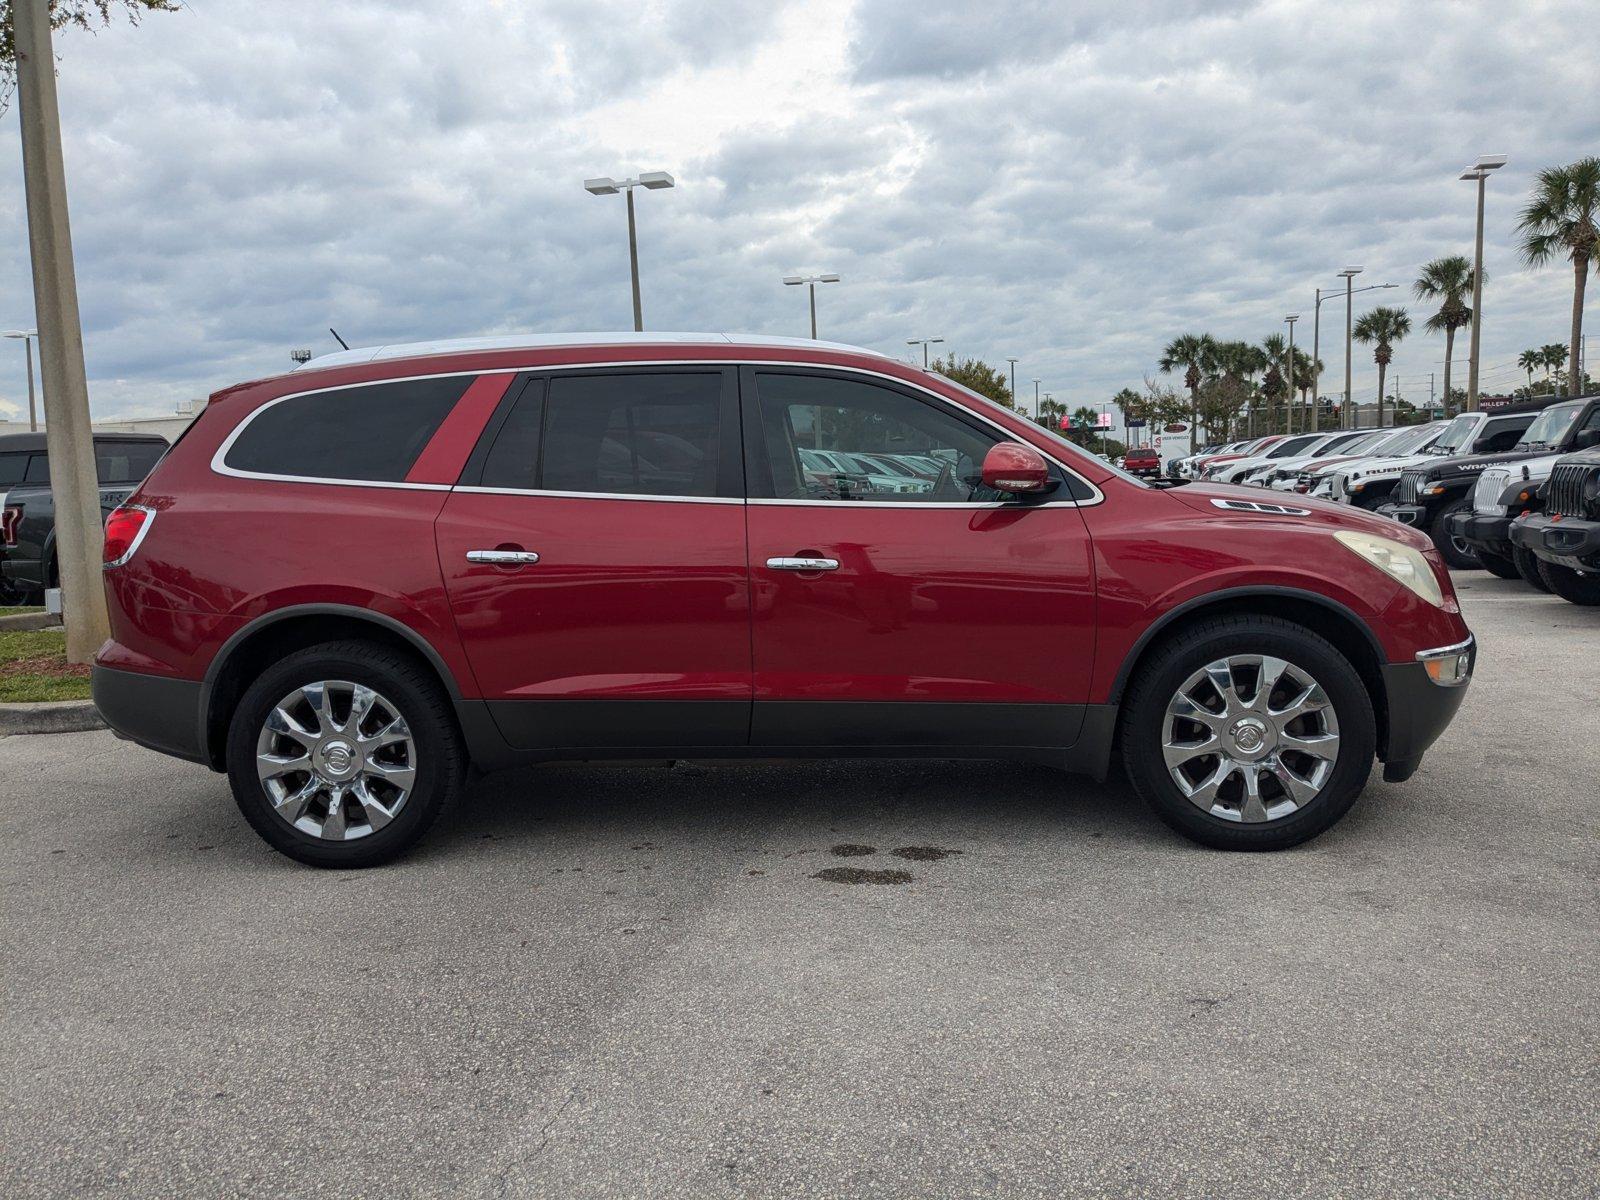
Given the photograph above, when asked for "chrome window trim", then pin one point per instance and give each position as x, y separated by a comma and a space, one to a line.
478, 490
221, 468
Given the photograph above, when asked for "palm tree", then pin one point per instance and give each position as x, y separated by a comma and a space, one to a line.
1194, 353
1273, 348
1305, 374
1527, 360
1385, 326
1554, 357
1448, 280
1562, 219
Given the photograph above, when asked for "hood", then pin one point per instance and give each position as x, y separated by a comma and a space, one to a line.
1377, 466
1473, 464
1306, 512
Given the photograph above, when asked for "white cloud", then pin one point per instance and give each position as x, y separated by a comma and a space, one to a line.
1072, 184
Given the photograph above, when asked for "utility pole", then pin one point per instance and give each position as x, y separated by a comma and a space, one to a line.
1288, 400
1013, 363
1479, 172
73, 482
1349, 274
26, 336
1036, 400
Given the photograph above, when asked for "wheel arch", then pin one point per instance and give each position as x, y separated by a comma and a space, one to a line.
285, 631
1322, 615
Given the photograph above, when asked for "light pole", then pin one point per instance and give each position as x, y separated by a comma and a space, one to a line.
1288, 407
300, 356
1316, 342
1480, 172
26, 336
1348, 274
811, 282
1036, 400
924, 343
1013, 363
654, 180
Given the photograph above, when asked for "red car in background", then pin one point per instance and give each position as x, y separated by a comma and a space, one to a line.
1143, 461
344, 585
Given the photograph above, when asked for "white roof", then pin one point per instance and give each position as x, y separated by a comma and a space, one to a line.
541, 341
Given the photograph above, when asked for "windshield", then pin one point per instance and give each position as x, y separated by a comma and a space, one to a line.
1457, 435
1551, 425
1409, 440
1293, 446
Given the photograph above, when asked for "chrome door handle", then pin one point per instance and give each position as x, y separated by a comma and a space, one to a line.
803, 564
503, 557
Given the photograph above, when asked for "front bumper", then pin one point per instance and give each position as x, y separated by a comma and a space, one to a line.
1420, 709
1488, 530
154, 711
1407, 514
1566, 541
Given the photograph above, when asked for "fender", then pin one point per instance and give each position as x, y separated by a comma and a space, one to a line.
412, 637
1234, 593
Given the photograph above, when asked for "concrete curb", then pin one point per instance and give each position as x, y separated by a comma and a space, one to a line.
58, 716
26, 621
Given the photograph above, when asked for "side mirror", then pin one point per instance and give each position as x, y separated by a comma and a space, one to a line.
1585, 439
1013, 467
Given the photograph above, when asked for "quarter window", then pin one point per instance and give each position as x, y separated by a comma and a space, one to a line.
12, 468
622, 433
841, 439
373, 432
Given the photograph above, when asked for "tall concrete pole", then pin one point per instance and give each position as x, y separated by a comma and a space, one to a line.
1350, 421
633, 267
1477, 303
73, 483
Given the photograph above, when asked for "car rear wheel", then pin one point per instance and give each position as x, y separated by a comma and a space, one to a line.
1580, 587
1527, 563
1248, 733
1498, 565
1457, 552
343, 754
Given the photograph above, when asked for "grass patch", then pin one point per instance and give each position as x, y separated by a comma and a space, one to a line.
16, 610
33, 667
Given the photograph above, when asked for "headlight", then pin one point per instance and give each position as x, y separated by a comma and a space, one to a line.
1399, 562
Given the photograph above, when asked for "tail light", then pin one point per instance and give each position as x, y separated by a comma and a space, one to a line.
9, 519
125, 529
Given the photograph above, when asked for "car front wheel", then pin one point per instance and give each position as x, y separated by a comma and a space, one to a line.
343, 754
1579, 587
1527, 564
1457, 552
1248, 733
1498, 565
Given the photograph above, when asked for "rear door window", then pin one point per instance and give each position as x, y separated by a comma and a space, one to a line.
623, 433
12, 468
370, 433
38, 469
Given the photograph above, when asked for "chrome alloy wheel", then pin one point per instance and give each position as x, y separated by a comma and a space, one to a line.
337, 760
1250, 738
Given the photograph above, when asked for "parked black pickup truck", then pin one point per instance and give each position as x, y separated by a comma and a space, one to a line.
28, 512
1429, 494
1566, 536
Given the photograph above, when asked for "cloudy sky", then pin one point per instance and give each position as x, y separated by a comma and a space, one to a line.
1070, 183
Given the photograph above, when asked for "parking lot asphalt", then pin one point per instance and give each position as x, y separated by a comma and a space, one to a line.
630, 981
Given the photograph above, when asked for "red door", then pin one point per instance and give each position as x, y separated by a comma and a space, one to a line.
596, 565
934, 613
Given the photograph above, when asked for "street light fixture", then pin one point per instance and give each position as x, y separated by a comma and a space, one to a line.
300, 356
1348, 274
924, 343
1479, 172
1316, 338
605, 186
26, 336
811, 282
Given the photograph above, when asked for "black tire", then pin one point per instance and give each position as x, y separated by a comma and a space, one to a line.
1161, 675
1527, 564
1579, 587
1498, 565
412, 690
1459, 555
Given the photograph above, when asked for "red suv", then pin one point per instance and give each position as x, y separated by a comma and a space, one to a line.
344, 585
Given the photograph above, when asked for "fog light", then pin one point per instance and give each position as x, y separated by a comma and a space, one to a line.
1450, 670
